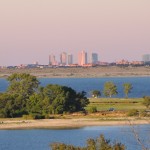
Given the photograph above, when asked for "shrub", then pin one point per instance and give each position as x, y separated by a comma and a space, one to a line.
93, 109
38, 116
27, 117
133, 112
99, 143
33, 116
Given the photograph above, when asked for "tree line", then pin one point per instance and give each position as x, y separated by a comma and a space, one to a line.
25, 96
99, 143
110, 89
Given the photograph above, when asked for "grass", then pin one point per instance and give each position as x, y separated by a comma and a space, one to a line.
120, 104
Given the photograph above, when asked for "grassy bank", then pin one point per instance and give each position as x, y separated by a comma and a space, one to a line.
119, 104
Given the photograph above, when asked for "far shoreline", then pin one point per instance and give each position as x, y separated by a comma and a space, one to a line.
81, 72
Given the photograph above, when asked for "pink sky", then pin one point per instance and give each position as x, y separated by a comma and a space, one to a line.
30, 30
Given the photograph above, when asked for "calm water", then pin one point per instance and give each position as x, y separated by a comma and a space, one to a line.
141, 85
40, 139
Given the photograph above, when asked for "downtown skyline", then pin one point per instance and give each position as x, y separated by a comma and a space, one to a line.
68, 59
31, 30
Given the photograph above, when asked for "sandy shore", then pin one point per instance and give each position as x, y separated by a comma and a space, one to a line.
64, 123
90, 72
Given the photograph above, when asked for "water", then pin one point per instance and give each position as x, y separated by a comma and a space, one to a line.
40, 139
141, 85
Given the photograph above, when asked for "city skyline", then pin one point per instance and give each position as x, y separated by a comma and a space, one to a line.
31, 30
67, 58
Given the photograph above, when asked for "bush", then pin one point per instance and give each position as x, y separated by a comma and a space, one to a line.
99, 143
38, 116
33, 116
27, 117
133, 112
93, 109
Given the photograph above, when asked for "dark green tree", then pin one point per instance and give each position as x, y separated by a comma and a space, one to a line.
96, 93
35, 104
56, 99
22, 84
127, 88
110, 89
60, 98
11, 106
14, 100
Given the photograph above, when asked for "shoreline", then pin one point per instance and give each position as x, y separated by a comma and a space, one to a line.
81, 72
66, 123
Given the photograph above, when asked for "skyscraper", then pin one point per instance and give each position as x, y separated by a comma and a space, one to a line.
82, 58
94, 58
52, 60
70, 59
63, 58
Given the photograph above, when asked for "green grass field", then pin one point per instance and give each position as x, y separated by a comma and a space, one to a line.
120, 104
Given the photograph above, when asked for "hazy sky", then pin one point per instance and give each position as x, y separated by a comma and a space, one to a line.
30, 30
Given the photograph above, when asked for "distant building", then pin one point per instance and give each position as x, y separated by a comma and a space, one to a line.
123, 62
146, 58
82, 58
139, 63
52, 60
63, 58
70, 59
94, 58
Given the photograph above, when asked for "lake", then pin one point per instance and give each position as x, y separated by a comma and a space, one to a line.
141, 85
39, 139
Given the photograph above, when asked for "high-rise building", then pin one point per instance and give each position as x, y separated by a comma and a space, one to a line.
52, 60
94, 58
63, 58
70, 59
82, 58
146, 58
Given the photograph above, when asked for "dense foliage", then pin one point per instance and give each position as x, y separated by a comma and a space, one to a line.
99, 143
24, 96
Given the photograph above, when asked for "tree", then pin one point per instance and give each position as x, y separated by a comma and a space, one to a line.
110, 89
127, 88
56, 99
146, 101
14, 100
99, 143
96, 93
22, 84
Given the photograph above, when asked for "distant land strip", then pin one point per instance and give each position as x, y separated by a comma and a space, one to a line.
81, 72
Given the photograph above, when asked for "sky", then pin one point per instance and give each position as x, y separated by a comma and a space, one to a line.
30, 30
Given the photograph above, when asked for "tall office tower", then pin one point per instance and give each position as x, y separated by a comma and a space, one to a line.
146, 58
63, 58
94, 58
52, 60
82, 58
70, 59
